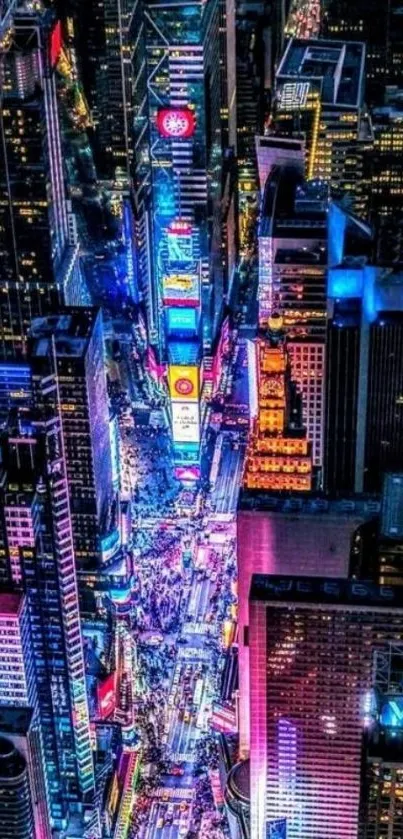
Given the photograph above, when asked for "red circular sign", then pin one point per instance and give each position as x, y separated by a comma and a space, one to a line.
184, 387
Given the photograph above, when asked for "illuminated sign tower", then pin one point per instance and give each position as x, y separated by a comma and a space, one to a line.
183, 88
279, 454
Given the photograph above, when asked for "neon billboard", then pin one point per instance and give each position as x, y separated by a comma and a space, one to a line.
181, 288
180, 242
183, 383
185, 422
176, 123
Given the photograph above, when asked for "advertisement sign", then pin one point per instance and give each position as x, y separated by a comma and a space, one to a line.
106, 693
177, 123
183, 383
180, 242
181, 288
185, 422
187, 474
182, 320
110, 544
391, 714
55, 45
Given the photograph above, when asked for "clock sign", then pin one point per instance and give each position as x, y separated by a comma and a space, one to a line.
176, 122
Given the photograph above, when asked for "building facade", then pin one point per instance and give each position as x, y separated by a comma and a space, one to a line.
320, 94
77, 337
312, 646
293, 278
33, 216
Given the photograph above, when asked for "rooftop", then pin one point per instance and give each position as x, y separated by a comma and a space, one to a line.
10, 603
336, 68
71, 330
15, 720
293, 208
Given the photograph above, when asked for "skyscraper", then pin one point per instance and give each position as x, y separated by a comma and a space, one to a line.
312, 645
106, 37
364, 375
319, 93
292, 277
34, 460
77, 337
288, 535
279, 454
380, 26
33, 217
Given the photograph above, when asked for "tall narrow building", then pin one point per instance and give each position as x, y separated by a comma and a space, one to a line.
33, 217
35, 486
292, 242
76, 336
279, 454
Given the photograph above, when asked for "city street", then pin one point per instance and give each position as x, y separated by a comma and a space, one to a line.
199, 657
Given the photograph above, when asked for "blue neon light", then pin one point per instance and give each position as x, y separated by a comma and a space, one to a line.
337, 221
391, 714
182, 319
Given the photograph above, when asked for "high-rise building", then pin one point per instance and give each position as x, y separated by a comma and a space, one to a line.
296, 535
381, 28
381, 815
279, 454
382, 812
312, 646
34, 236
77, 338
386, 178
319, 93
363, 433
34, 461
16, 671
106, 36
292, 279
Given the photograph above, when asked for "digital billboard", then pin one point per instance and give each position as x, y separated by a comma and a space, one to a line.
182, 320
180, 242
391, 714
182, 288
187, 474
183, 383
178, 123
185, 422
106, 693
55, 45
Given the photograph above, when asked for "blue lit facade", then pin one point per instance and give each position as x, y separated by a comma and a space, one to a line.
183, 73
78, 336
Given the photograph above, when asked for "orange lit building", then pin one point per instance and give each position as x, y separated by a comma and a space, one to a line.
279, 455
